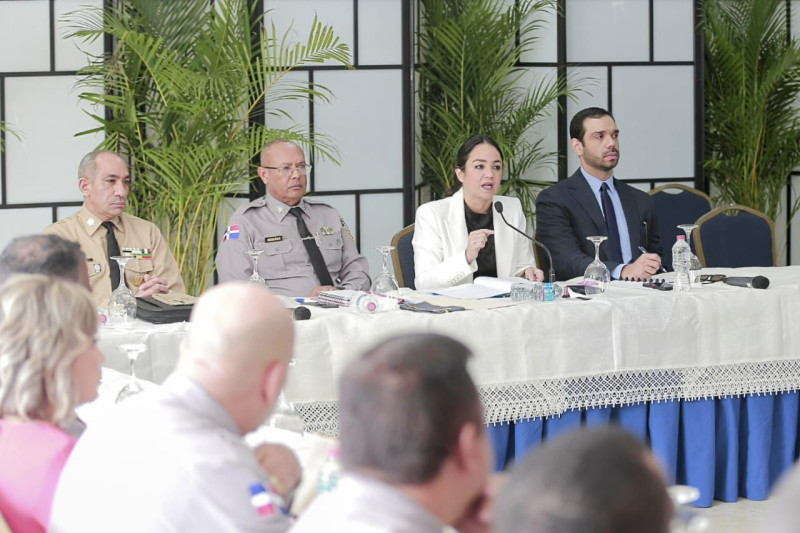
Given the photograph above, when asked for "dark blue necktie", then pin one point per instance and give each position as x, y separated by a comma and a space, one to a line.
611, 224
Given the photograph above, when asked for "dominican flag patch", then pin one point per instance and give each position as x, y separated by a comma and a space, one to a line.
261, 501
231, 233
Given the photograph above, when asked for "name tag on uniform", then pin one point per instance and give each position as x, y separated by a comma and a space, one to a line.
138, 253
275, 238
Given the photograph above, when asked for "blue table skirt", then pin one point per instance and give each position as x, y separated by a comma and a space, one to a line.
726, 447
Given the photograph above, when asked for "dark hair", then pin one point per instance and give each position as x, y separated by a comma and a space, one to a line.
402, 406
576, 128
470, 144
591, 481
50, 255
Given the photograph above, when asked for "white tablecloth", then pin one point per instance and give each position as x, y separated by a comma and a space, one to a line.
540, 359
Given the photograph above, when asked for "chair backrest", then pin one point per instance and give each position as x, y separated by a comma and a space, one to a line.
403, 257
735, 236
676, 204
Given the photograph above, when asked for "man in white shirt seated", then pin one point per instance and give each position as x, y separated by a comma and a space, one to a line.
174, 459
413, 445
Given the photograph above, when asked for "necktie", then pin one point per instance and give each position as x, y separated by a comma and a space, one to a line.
317, 261
112, 246
611, 224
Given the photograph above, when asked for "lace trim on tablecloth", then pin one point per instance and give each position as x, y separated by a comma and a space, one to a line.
551, 397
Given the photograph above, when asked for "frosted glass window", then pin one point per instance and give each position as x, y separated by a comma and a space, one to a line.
64, 212
795, 23
545, 49
547, 129
299, 14
673, 30
25, 36
71, 53
608, 30
19, 222
298, 109
594, 84
380, 37
381, 218
654, 108
366, 122
43, 166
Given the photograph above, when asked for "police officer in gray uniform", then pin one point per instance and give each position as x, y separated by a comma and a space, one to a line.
306, 246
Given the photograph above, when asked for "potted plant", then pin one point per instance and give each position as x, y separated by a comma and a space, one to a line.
469, 83
752, 86
185, 91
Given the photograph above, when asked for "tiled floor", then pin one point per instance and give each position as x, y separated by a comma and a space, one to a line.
744, 516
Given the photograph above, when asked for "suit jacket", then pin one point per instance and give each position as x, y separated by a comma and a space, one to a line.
568, 212
440, 238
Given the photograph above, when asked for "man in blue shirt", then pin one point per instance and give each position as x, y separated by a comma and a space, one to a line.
593, 202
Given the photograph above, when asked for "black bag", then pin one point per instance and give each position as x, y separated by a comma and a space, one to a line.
151, 310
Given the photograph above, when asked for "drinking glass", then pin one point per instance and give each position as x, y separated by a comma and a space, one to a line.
133, 387
255, 277
596, 277
122, 304
694, 262
285, 415
385, 282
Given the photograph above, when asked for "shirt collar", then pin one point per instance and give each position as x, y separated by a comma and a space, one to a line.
197, 399
595, 183
93, 222
280, 209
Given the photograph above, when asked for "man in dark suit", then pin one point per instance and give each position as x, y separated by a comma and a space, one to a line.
592, 202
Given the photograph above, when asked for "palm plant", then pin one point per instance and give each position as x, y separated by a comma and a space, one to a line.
752, 84
185, 92
469, 83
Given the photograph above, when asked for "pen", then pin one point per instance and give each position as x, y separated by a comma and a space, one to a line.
660, 267
305, 300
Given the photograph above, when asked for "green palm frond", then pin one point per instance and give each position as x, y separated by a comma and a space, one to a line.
470, 83
182, 88
752, 88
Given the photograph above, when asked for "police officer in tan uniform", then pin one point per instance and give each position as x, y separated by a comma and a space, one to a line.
104, 181
306, 246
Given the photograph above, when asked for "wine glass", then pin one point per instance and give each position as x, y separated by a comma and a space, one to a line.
133, 387
694, 262
385, 282
122, 304
255, 277
285, 415
596, 277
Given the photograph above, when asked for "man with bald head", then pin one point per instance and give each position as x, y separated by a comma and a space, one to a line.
307, 247
174, 459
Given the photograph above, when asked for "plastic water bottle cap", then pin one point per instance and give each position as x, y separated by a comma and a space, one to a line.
372, 306
681, 237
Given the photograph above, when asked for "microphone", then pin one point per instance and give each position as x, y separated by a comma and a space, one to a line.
551, 272
301, 313
758, 282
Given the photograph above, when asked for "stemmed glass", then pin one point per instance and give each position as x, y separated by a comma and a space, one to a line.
285, 415
694, 262
255, 277
596, 277
122, 304
132, 351
385, 282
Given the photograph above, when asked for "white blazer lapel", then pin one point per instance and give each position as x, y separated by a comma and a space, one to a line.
457, 223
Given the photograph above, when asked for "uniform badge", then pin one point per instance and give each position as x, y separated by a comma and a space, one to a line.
138, 280
346, 229
325, 230
97, 267
90, 222
274, 238
279, 209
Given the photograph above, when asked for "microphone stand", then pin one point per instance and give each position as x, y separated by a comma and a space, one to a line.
551, 272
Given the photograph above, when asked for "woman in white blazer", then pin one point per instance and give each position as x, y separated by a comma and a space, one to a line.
460, 237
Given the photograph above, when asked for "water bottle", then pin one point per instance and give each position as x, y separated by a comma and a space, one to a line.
681, 262
694, 271
372, 303
329, 473
536, 291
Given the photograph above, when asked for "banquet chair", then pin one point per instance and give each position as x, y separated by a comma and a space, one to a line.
403, 257
676, 204
735, 236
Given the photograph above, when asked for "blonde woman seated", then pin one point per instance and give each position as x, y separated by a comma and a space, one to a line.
49, 363
461, 238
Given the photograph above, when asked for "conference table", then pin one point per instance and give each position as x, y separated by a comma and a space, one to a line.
707, 378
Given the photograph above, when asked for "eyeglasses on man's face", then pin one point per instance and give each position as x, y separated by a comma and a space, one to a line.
287, 171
